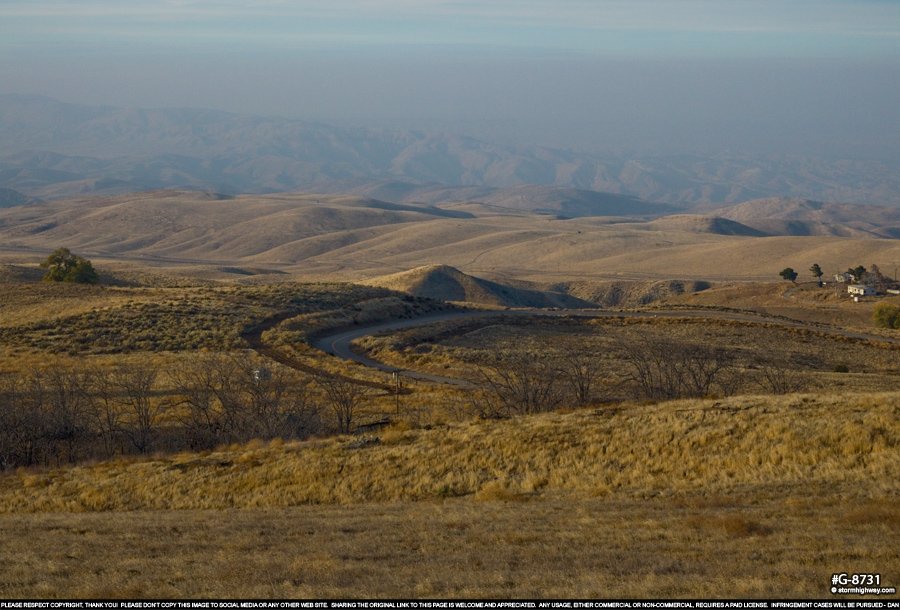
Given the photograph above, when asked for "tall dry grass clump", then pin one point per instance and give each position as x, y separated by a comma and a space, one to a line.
752, 445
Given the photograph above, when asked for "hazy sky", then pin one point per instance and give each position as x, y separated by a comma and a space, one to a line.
808, 76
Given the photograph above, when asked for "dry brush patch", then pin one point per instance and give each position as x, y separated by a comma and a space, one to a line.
103, 320
809, 357
749, 445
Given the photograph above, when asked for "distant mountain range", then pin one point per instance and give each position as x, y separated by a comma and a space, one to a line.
52, 149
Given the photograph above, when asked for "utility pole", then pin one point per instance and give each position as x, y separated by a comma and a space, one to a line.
398, 385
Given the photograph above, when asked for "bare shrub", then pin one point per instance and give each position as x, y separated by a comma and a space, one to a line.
65, 414
277, 403
663, 369
197, 407
581, 373
22, 426
519, 383
105, 411
44, 418
232, 398
344, 396
776, 377
140, 412
66, 407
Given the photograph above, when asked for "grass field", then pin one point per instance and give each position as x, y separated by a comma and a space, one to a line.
809, 355
60, 318
743, 497
820, 444
545, 548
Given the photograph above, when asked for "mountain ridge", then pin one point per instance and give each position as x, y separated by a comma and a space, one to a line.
804, 217
53, 149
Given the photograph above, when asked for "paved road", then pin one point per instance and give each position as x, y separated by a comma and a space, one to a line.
339, 344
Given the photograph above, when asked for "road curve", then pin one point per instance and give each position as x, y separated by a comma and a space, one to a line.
339, 343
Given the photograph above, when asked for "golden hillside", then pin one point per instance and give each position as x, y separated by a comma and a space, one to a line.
697, 223
446, 283
318, 236
752, 446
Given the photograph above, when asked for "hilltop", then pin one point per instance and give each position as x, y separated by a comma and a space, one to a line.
695, 223
446, 283
803, 217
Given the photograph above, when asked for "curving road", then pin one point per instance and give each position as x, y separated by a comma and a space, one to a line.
340, 343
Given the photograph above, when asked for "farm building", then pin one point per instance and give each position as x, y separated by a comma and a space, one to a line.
861, 290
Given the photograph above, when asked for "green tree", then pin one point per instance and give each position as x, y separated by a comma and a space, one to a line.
816, 270
886, 315
857, 272
788, 274
63, 266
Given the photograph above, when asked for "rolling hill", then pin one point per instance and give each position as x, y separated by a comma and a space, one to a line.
10, 198
355, 238
541, 199
630, 293
696, 223
446, 283
802, 217
351, 237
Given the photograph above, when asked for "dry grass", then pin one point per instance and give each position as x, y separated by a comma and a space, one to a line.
581, 548
32, 301
744, 497
103, 320
315, 235
752, 446
806, 301
810, 354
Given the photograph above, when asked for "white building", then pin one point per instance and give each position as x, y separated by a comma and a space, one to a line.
861, 290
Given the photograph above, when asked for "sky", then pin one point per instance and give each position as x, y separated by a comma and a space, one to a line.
796, 76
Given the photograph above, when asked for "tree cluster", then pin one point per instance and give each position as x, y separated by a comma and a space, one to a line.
63, 266
860, 274
788, 274
664, 369
65, 415
519, 383
657, 369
